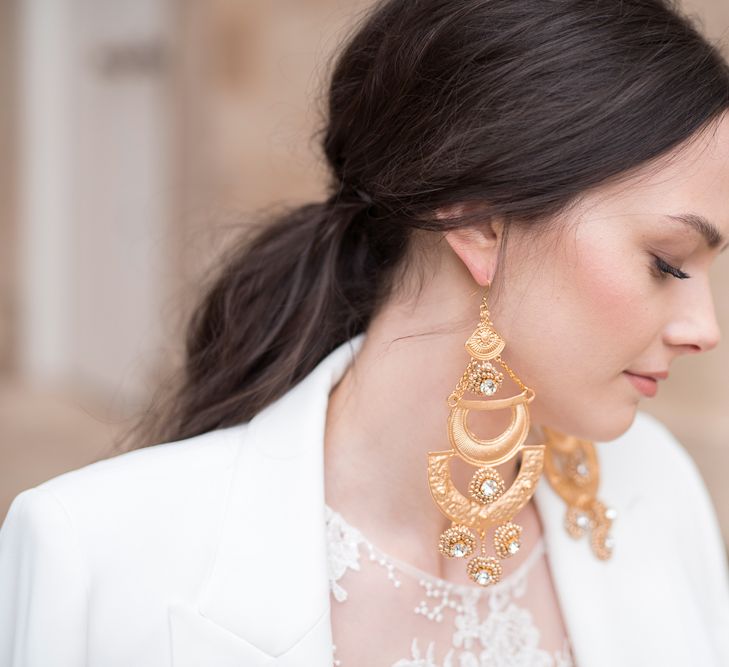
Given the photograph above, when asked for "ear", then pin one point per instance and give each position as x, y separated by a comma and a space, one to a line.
477, 245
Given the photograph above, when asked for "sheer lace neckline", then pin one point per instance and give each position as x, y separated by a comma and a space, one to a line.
470, 625
514, 579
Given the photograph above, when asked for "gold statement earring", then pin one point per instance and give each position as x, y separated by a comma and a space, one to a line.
571, 467
573, 472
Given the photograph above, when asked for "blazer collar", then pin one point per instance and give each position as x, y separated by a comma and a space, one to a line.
266, 598
635, 608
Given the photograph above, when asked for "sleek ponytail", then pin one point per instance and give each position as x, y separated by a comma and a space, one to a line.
305, 283
516, 105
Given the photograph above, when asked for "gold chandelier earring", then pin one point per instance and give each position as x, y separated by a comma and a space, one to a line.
571, 467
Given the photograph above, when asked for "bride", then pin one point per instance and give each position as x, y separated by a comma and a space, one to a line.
408, 431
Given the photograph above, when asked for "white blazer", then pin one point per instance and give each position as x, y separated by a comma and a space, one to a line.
211, 552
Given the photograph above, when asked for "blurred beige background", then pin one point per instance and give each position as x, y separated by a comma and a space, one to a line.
135, 135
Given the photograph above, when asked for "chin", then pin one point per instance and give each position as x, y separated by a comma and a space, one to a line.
602, 426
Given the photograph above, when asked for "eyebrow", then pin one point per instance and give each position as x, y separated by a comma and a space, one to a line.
700, 224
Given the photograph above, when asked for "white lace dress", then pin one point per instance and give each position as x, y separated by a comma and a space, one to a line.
404, 617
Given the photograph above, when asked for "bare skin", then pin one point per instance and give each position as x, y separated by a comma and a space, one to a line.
576, 307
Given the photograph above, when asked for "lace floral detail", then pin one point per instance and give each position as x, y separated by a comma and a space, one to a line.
506, 637
343, 543
486, 658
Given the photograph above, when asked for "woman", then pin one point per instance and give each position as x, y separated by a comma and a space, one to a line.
316, 495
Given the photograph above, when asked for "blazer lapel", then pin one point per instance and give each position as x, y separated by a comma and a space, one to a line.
266, 599
635, 608
198, 640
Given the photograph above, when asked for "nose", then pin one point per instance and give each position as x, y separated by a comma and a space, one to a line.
696, 328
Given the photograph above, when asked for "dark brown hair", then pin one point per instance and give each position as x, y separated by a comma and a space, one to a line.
518, 105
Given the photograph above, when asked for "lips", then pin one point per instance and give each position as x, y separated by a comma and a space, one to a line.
647, 386
657, 375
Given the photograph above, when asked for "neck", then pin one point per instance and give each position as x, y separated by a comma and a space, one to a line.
386, 413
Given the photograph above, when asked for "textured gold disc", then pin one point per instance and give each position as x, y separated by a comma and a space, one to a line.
465, 511
489, 451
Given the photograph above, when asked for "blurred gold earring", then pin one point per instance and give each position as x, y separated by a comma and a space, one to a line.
489, 504
574, 473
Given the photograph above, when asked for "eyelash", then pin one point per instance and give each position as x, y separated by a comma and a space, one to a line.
665, 269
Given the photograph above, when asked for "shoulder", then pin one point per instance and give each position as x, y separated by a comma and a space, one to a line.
167, 467
672, 489
141, 496
649, 456
649, 472
649, 466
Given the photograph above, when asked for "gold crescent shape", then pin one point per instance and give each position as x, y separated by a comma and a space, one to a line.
485, 343
560, 444
489, 451
462, 510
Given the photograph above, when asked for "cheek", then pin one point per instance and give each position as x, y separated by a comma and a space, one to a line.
607, 297
610, 330
577, 327
605, 305
589, 309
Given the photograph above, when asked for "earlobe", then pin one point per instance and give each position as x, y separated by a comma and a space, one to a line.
477, 247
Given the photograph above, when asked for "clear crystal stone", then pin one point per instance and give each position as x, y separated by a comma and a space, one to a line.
483, 577
458, 549
514, 547
488, 488
609, 542
582, 521
582, 470
488, 387
611, 513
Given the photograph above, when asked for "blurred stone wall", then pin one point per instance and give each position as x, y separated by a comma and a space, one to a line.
7, 184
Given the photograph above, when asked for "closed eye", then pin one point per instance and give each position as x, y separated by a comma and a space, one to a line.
666, 268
